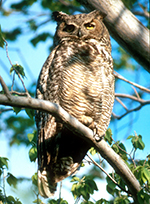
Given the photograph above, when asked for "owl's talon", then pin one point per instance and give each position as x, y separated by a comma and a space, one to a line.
97, 137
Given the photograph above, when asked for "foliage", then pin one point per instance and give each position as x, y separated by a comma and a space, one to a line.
83, 187
19, 125
11, 180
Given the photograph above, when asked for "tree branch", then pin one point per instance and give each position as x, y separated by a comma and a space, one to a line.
137, 99
82, 131
125, 28
99, 166
87, 134
117, 75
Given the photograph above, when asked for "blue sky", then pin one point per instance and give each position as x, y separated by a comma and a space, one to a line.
35, 57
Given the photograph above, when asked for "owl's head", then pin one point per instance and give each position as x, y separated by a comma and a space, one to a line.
83, 26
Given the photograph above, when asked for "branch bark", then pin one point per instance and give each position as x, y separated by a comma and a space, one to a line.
125, 28
87, 134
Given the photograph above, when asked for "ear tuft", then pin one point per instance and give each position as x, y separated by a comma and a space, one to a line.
98, 14
58, 16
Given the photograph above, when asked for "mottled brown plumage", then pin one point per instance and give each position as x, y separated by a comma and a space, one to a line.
77, 75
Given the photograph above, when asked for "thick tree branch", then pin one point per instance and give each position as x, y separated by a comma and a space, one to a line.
87, 134
125, 28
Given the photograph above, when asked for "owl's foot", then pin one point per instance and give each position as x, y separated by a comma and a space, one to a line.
97, 136
86, 120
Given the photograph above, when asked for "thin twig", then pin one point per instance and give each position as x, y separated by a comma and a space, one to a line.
18, 93
135, 92
15, 70
117, 99
5, 110
146, 13
145, 160
13, 81
140, 100
130, 82
132, 110
96, 164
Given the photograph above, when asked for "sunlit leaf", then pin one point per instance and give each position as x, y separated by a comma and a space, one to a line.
35, 179
30, 137
108, 136
33, 153
92, 151
75, 178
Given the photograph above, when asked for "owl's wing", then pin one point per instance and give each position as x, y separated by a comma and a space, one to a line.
60, 152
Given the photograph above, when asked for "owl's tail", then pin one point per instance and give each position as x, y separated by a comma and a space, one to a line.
46, 188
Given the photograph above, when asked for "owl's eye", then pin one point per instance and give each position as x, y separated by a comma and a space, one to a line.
69, 28
89, 26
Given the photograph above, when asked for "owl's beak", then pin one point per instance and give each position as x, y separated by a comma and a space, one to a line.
80, 34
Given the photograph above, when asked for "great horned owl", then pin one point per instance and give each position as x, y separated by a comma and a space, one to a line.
77, 75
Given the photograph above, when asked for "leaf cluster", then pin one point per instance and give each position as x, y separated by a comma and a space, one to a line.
83, 187
10, 179
33, 149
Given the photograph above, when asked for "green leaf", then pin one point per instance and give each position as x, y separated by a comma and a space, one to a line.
16, 110
92, 151
40, 37
30, 113
123, 199
137, 142
39, 201
84, 193
143, 197
35, 179
2, 42
110, 183
60, 201
3, 162
30, 137
92, 184
87, 202
108, 136
122, 151
18, 70
10, 199
146, 175
75, 178
102, 201
52, 201
12, 35
33, 153
115, 147
129, 137
11, 180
